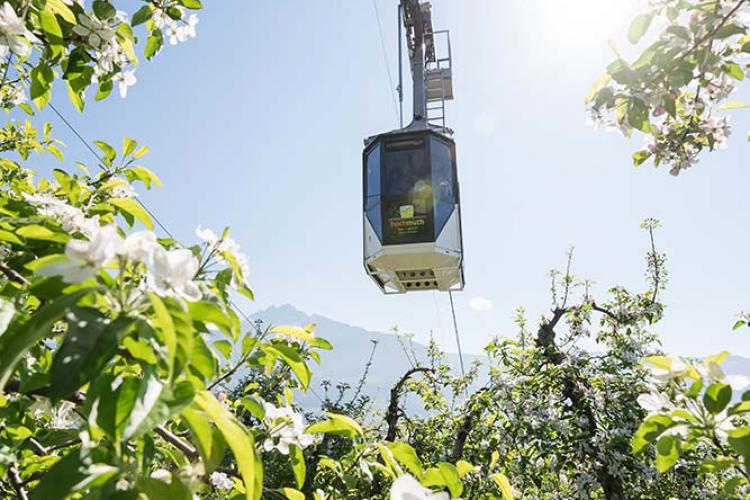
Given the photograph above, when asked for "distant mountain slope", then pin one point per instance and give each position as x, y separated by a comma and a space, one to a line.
352, 347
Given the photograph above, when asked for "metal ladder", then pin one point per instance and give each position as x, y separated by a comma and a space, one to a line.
438, 81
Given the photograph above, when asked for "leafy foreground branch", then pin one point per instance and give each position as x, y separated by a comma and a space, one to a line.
120, 352
677, 92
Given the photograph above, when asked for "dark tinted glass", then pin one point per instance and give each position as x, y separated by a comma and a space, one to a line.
442, 182
372, 192
407, 192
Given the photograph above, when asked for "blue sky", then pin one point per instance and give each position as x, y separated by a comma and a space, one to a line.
258, 124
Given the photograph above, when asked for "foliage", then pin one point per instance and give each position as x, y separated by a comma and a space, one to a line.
676, 92
126, 372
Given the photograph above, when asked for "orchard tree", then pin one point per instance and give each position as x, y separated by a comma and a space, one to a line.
678, 91
115, 344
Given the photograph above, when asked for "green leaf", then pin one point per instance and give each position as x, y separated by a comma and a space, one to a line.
156, 489
156, 403
89, 343
740, 440
133, 208
294, 332
37, 232
208, 313
650, 430
667, 452
142, 15
20, 336
729, 30
298, 464
733, 105
505, 488
337, 424
406, 455
463, 467
739, 324
109, 152
141, 152
71, 475
239, 440
191, 4
10, 237
53, 33
600, 82
163, 321
641, 156
292, 358
203, 361
292, 494
62, 10
144, 175
224, 347
639, 27
734, 70
154, 43
104, 10
75, 96
452, 479
208, 438
717, 397
42, 77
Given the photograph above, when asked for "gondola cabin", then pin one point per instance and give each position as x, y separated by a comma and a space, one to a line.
412, 215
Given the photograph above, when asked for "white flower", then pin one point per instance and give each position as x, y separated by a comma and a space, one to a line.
723, 424
125, 79
96, 32
13, 94
207, 236
161, 474
408, 488
655, 402
172, 274
176, 34
285, 428
138, 246
72, 219
190, 24
123, 189
228, 245
221, 481
85, 258
13, 33
678, 367
61, 416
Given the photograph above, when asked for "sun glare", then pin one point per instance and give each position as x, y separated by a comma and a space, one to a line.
578, 22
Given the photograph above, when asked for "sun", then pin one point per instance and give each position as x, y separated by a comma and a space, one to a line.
583, 22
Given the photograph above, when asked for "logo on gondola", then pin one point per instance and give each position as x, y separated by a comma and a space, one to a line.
406, 211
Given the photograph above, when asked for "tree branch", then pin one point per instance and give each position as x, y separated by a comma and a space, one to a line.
13, 275
178, 443
15, 481
391, 416
708, 36
466, 425
572, 389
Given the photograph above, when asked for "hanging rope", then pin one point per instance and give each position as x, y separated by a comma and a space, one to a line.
455, 329
141, 203
385, 58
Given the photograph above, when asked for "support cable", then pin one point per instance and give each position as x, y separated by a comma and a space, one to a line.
141, 203
385, 58
455, 329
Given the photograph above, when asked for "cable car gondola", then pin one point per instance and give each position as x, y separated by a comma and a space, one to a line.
412, 214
